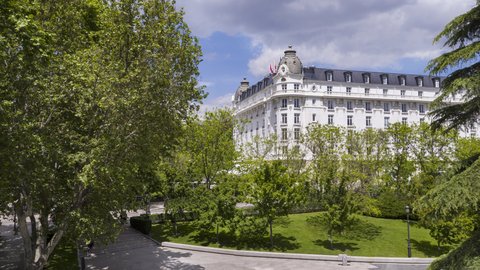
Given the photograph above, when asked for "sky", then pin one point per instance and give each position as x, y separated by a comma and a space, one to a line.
241, 38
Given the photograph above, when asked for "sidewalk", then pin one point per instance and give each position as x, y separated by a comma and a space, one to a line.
11, 247
133, 250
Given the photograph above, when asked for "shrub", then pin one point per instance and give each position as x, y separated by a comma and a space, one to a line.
392, 205
142, 224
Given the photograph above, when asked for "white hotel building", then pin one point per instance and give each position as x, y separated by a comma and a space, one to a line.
290, 99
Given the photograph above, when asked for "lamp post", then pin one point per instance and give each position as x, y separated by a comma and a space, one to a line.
407, 210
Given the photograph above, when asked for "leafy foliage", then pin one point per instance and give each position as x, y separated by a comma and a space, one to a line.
85, 105
466, 256
461, 34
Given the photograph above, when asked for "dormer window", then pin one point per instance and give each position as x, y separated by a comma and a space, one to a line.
348, 77
402, 80
384, 78
436, 82
366, 77
329, 75
419, 81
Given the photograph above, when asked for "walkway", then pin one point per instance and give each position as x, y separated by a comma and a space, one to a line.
11, 247
133, 250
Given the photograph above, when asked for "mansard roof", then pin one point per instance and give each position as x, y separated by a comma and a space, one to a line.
320, 74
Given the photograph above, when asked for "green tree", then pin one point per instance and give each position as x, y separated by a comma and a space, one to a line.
210, 140
433, 154
451, 231
219, 208
459, 192
399, 167
325, 143
461, 35
85, 105
273, 192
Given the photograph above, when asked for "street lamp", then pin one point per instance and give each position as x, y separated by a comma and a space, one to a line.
407, 210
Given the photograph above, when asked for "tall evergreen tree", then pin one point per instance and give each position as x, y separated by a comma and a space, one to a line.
462, 35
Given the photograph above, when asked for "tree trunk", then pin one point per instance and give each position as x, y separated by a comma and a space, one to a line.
27, 243
270, 222
330, 237
217, 233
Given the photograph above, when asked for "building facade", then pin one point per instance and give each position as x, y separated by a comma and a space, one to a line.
292, 97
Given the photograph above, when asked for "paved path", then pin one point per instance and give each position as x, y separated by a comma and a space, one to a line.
132, 250
11, 246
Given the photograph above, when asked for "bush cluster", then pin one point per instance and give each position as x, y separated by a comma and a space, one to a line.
142, 224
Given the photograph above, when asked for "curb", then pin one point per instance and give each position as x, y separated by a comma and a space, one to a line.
299, 256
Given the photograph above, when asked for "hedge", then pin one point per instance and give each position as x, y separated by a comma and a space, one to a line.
142, 224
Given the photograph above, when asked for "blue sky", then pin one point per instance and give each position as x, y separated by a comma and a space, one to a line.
241, 38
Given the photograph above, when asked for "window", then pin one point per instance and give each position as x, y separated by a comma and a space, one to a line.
366, 78
402, 80
296, 134
349, 120
402, 93
420, 93
330, 105
386, 122
404, 108
314, 101
348, 77
368, 106
349, 106
314, 117
421, 108
419, 81
296, 118
368, 121
386, 107
422, 120
284, 118
367, 91
329, 89
275, 119
329, 76
330, 119
284, 134
385, 92
349, 90
296, 103
404, 120
296, 86
284, 86
284, 103
384, 79
284, 149
436, 82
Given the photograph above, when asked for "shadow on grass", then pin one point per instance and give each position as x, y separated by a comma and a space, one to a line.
164, 232
428, 249
359, 230
64, 256
342, 246
259, 242
363, 230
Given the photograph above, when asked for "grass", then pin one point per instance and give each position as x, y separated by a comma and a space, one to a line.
64, 256
298, 234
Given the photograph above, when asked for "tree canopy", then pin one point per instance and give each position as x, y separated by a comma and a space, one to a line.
91, 92
462, 35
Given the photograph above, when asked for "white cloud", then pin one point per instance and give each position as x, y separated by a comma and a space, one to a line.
347, 34
216, 103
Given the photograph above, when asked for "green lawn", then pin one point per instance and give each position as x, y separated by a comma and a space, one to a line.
371, 237
64, 256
